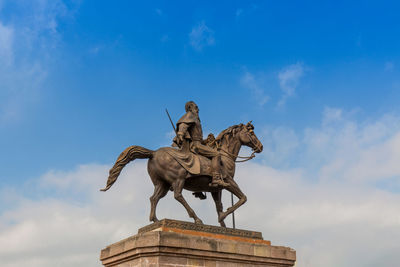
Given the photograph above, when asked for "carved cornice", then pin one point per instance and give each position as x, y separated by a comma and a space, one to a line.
167, 223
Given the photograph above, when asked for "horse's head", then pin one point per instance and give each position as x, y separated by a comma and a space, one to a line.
248, 138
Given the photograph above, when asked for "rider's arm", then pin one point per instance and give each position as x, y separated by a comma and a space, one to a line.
183, 131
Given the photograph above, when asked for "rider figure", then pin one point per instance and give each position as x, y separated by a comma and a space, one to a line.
189, 130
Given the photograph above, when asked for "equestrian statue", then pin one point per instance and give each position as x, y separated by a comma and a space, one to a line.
193, 163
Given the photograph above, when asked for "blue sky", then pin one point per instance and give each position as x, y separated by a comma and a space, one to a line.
108, 69
81, 80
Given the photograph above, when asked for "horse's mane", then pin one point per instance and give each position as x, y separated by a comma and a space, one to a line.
231, 131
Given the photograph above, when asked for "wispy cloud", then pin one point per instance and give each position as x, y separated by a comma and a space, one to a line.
21, 84
96, 49
26, 47
289, 78
6, 44
250, 82
389, 66
239, 12
201, 36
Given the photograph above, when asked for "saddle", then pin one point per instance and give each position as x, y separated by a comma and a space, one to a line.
195, 164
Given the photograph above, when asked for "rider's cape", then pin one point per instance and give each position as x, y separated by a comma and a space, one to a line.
188, 118
195, 131
187, 160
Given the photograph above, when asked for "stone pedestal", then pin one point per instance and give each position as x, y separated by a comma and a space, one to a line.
169, 243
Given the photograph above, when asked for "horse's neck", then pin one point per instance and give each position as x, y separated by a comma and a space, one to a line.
232, 145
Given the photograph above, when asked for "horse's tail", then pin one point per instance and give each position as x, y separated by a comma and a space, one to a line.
129, 154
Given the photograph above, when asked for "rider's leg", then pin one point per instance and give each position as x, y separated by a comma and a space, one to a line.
215, 163
216, 172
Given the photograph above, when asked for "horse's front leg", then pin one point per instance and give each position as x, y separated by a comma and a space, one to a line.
178, 187
233, 188
218, 204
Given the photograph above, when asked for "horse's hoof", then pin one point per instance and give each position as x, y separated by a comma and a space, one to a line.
222, 217
198, 221
154, 220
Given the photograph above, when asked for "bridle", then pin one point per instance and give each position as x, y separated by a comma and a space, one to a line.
253, 144
252, 141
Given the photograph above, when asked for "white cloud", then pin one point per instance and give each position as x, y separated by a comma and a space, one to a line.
332, 115
6, 44
67, 220
27, 46
21, 84
201, 36
351, 151
329, 205
246, 11
328, 223
280, 143
289, 78
250, 82
72, 226
326, 204
46, 14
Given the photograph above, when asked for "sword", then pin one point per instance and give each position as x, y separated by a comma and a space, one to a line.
173, 126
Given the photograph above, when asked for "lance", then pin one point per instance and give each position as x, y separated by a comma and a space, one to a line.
173, 126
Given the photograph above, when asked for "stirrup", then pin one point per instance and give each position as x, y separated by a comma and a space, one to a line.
216, 176
217, 180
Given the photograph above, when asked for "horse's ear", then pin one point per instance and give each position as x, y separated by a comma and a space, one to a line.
249, 125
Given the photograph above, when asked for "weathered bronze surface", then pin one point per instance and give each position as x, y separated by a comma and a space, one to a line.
193, 164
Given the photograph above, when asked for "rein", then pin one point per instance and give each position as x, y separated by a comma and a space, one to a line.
232, 156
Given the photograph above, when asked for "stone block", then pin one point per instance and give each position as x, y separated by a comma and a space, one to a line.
171, 243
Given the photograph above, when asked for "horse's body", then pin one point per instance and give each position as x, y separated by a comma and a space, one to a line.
166, 173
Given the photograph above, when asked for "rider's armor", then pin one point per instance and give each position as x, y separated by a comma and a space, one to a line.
189, 127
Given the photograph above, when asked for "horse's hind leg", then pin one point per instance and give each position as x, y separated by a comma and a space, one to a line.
178, 187
218, 204
160, 190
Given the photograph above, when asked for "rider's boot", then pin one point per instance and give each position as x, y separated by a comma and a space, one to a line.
217, 180
200, 195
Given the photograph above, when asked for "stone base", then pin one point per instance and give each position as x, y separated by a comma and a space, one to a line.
169, 243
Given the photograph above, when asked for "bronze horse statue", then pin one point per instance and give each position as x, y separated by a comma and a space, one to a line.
166, 173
